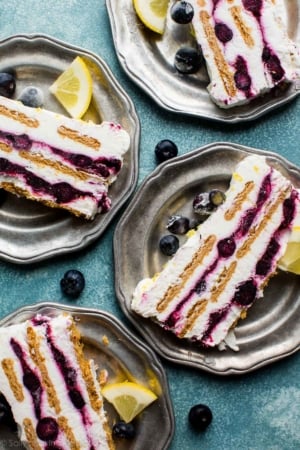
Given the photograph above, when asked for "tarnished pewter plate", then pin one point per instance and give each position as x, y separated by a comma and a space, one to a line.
125, 358
271, 329
147, 58
30, 232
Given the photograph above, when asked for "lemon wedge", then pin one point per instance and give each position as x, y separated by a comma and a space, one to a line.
73, 88
290, 261
152, 13
128, 398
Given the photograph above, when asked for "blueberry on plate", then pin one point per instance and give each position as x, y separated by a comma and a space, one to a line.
202, 204
169, 244
188, 60
72, 283
178, 224
200, 416
165, 150
7, 84
123, 430
32, 96
216, 197
182, 12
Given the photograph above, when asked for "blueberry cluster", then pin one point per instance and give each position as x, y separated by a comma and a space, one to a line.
30, 96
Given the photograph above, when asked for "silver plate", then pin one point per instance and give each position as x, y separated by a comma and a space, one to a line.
30, 232
271, 329
124, 358
147, 58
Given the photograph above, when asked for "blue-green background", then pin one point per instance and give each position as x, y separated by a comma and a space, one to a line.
257, 411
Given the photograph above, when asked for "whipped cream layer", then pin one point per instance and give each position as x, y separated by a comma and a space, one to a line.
41, 151
246, 48
224, 265
52, 390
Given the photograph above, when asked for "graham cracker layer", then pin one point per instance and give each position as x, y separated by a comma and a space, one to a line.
223, 68
199, 256
19, 117
74, 135
31, 434
245, 31
39, 359
8, 368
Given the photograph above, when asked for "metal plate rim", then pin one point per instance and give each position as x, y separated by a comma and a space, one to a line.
50, 307
98, 229
231, 115
145, 326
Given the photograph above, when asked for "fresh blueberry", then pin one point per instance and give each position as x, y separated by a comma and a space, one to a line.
165, 149
123, 430
47, 429
245, 293
31, 381
32, 96
226, 247
223, 32
7, 84
182, 12
200, 416
76, 398
178, 224
73, 282
188, 60
216, 197
169, 244
202, 204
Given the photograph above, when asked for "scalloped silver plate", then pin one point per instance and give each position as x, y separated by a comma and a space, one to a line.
30, 232
147, 58
271, 329
125, 358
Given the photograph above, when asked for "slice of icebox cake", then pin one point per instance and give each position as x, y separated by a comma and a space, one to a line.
51, 387
59, 161
227, 262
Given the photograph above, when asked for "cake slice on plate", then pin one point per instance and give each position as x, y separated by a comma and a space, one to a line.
51, 387
62, 162
224, 266
246, 48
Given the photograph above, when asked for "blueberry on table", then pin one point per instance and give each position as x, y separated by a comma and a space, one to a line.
178, 224
72, 283
188, 60
165, 150
169, 244
7, 84
32, 96
200, 416
123, 430
182, 12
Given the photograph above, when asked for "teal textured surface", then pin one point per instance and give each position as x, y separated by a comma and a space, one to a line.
256, 411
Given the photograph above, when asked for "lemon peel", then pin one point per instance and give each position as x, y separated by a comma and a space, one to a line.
152, 13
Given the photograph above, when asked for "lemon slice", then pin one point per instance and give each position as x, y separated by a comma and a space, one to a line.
128, 398
152, 13
290, 261
73, 88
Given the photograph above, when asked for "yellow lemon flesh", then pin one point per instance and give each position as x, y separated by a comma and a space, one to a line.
128, 398
152, 13
73, 88
290, 261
